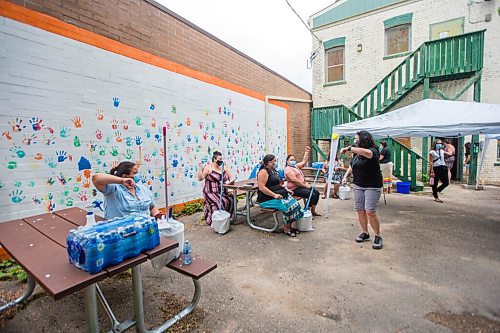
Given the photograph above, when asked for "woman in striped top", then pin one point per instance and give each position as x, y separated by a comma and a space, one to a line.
212, 174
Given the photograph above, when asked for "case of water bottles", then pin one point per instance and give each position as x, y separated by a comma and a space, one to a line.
107, 243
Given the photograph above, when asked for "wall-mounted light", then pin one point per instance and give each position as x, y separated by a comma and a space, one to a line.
360, 47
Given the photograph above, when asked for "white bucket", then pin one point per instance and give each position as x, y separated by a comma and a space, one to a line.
174, 230
344, 192
221, 221
305, 223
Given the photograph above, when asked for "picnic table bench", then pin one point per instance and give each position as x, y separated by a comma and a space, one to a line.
38, 244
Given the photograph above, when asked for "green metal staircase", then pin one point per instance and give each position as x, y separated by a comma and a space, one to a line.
446, 59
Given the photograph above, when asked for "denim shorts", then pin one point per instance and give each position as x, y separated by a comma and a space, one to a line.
366, 198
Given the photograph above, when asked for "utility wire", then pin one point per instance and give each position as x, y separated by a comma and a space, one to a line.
304, 23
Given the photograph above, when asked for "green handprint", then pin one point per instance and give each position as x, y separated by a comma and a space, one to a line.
18, 184
32, 183
114, 151
128, 154
76, 142
138, 121
65, 193
76, 189
102, 152
17, 196
69, 202
108, 139
2, 185
12, 165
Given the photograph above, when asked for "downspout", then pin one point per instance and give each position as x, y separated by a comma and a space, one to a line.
266, 113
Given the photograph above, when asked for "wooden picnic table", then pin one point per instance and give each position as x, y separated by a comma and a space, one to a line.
38, 244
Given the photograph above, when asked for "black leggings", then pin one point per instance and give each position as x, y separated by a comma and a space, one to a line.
304, 193
440, 174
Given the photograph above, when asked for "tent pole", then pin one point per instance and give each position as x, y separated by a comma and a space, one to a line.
475, 140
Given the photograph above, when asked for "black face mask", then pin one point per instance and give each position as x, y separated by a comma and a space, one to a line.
219, 162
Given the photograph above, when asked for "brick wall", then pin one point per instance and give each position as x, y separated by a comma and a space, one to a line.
151, 27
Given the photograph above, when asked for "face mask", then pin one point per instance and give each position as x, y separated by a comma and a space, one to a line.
356, 143
219, 162
137, 178
439, 146
292, 163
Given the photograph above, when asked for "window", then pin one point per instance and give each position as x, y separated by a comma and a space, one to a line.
498, 150
335, 64
397, 39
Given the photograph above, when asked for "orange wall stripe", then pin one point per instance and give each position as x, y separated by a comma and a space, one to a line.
51, 24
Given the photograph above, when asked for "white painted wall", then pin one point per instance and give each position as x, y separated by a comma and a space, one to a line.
68, 109
365, 69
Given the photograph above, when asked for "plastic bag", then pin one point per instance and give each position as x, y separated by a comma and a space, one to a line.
174, 230
221, 221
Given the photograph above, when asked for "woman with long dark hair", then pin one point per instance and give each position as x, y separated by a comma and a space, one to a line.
274, 196
438, 168
365, 168
212, 175
124, 192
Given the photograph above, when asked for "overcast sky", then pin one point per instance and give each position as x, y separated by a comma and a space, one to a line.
266, 30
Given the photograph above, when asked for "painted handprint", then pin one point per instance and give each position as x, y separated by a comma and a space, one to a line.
16, 196
62, 179
7, 135
98, 134
174, 109
36, 123
152, 107
138, 121
128, 141
77, 121
147, 158
11, 165
17, 125
114, 151
188, 121
124, 125
118, 136
153, 122
115, 123
76, 142
116, 102
128, 154
49, 140
99, 114
138, 140
102, 151
61, 156
64, 132
86, 184
158, 137
147, 132
29, 139
83, 196
17, 151
92, 146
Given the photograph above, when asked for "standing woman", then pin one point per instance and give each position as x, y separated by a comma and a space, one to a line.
212, 174
274, 196
449, 159
123, 192
338, 168
365, 167
438, 168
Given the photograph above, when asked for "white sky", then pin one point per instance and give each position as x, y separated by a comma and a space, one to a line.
266, 30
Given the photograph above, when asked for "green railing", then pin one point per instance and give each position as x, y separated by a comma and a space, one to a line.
405, 162
448, 56
322, 120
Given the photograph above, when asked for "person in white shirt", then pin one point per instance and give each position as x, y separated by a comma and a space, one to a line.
438, 168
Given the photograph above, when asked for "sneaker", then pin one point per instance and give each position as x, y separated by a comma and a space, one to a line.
378, 243
362, 238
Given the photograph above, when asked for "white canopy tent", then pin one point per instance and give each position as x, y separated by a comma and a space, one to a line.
429, 117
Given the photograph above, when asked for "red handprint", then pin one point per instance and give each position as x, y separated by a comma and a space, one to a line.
98, 134
114, 124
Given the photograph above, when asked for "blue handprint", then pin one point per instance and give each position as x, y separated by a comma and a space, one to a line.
188, 138
144, 178
161, 178
138, 140
64, 132
152, 107
61, 156
116, 102
175, 163
36, 123
16, 196
158, 137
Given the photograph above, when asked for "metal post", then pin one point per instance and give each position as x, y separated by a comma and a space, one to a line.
89, 295
23, 297
475, 140
165, 170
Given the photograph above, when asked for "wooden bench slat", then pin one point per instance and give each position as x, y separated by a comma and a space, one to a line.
51, 226
76, 216
44, 259
198, 268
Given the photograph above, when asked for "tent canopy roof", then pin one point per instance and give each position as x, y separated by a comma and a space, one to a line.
430, 117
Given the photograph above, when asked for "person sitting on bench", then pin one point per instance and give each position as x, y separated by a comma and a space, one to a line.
274, 196
296, 181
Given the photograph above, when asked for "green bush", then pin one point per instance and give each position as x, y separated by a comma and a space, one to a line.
10, 270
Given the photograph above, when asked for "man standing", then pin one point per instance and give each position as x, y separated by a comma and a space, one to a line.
386, 165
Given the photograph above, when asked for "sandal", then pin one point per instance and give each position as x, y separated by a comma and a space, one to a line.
295, 231
290, 233
323, 197
438, 200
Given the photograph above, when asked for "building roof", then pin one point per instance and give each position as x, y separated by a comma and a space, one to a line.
342, 10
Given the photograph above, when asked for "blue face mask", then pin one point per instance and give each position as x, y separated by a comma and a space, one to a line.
356, 143
439, 146
137, 178
292, 163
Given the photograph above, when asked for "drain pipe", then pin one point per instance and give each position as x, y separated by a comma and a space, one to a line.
266, 113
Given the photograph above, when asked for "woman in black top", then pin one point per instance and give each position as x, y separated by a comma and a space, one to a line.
274, 196
365, 167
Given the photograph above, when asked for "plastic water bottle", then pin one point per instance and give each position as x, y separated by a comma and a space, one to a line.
186, 253
90, 219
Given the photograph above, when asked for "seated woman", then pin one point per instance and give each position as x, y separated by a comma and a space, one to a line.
296, 181
338, 169
274, 196
212, 174
123, 193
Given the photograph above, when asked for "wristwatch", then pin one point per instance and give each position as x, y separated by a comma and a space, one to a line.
349, 148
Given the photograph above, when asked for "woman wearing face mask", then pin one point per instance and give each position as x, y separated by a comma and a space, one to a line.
274, 196
365, 167
296, 181
212, 174
124, 193
438, 168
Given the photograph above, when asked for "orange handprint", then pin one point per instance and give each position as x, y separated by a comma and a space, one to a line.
86, 173
77, 121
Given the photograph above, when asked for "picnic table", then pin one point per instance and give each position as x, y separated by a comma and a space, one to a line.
248, 187
38, 244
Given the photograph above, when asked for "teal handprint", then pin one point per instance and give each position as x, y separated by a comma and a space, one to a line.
102, 151
114, 151
16, 196
76, 142
18, 184
128, 154
32, 183
51, 163
64, 132
69, 202
128, 141
18, 151
138, 121
148, 133
12, 165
